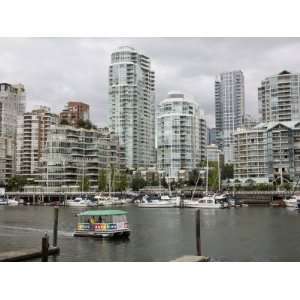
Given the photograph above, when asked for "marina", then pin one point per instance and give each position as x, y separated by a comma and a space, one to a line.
252, 234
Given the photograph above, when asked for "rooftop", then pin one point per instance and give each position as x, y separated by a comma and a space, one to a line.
109, 212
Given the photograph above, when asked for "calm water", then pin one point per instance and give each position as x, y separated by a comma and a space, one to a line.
241, 234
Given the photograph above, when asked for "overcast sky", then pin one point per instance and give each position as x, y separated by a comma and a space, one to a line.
56, 70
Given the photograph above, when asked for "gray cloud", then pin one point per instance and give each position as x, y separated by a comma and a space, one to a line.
55, 70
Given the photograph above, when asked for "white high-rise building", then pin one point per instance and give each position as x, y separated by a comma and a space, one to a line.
230, 109
12, 104
279, 97
132, 105
181, 135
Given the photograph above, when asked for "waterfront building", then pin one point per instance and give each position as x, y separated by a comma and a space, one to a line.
279, 97
229, 109
268, 152
181, 135
7, 159
75, 156
12, 104
132, 105
74, 112
32, 133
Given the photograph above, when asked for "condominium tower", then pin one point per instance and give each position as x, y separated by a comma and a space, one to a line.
12, 104
279, 97
181, 135
132, 105
32, 133
229, 109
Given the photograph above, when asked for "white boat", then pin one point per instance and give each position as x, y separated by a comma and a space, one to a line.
205, 202
157, 202
292, 201
3, 201
104, 201
208, 201
12, 202
78, 201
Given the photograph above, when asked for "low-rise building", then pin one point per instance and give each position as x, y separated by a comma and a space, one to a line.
268, 152
74, 157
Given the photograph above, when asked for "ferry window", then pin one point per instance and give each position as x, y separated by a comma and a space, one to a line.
107, 219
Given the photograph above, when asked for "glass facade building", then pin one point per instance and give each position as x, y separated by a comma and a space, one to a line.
229, 109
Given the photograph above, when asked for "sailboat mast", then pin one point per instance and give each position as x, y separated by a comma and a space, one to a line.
206, 176
82, 177
219, 173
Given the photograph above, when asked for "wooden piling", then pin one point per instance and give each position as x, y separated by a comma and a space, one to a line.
198, 232
55, 226
45, 247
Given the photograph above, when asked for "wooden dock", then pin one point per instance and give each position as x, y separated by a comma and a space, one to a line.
25, 255
43, 253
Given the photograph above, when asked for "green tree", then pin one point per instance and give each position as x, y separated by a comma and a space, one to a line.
193, 177
16, 183
102, 181
287, 186
121, 182
227, 171
85, 184
86, 124
64, 122
213, 175
164, 183
137, 183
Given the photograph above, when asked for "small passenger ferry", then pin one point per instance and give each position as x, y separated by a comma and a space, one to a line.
102, 223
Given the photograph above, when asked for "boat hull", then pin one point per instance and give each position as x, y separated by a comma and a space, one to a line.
290, 203
115, 234
198, 205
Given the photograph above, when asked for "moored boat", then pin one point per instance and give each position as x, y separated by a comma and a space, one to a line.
78, 201
103, 223
12, 202
158, 202
205, 202
3, 201
292, 201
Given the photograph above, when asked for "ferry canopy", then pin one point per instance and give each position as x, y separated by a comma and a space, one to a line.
109, 212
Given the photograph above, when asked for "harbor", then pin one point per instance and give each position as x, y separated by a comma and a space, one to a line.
253, 233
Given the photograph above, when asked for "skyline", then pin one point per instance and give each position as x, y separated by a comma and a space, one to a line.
57, 70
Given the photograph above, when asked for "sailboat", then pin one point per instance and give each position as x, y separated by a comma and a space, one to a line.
208, 201
107, 200
159, 201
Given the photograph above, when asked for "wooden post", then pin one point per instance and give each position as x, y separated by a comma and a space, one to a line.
198, 232
55, 226
45, 247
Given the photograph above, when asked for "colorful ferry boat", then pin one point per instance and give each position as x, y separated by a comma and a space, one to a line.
102, 223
